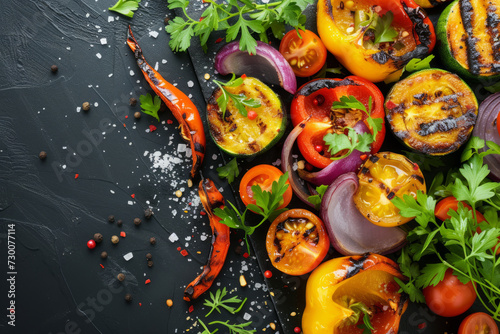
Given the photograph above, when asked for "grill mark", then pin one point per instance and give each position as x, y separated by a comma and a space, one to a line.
442, 126
473, 55
316, 85
418, 178
492, 23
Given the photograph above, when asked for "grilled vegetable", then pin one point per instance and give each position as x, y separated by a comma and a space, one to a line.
468, 33
432, 111
430, 3
237, 134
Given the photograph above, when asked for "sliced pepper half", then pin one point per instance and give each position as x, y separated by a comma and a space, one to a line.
337, 288
347, 35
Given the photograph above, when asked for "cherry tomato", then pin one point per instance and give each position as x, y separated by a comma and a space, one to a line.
263, 176
305, 53
297, 242
450, 297
91, 244
498, 123
478, 323
384, 176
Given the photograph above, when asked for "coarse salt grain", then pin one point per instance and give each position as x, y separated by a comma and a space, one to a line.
173, 237
128, 256
246, 316
104, 41
153, 34
98, 55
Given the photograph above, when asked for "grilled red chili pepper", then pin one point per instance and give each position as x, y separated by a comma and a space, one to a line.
179, 104
211, 198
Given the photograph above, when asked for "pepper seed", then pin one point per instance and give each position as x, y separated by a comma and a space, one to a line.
98, 237
54, 68
120, 277
128, 297
86, 106
42, 155
104, 255
111, 218
170, 302
150, 264
190, 183
137, 221
206, 76
133, 101
115, 239
272, 325
137, 114
178, 193
152, 240
149, 256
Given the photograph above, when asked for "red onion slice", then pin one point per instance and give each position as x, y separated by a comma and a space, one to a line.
268, 65
486, 129
338, 167
350, 232
299, 189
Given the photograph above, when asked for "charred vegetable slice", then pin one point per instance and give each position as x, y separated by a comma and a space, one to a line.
430, 3
242, 136
432, 111
468, 31
384, 176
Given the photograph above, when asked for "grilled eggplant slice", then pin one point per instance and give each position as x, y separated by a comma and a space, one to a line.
468, 31
432, 111
240, 136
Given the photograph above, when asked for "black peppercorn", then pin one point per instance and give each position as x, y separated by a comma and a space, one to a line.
104, 255
54, 68
148, 213
98, 237
111, 218
133, 101
121, 277
137, 221
149, 256
152, 240
150, 264
119, 222
42, 155
128, 297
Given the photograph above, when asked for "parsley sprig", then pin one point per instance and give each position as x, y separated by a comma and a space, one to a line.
149, 106
351, 141
240, 101
381, 26
317, 198
236, 328
267, 204
229, 171
456, 243
125, 7
239, 18
218, 300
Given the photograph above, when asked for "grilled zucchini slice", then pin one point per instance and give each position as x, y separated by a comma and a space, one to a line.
239, 136
468, 31
432, 111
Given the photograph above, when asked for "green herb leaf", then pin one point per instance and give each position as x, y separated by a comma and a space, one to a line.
417, 64
236, 328
239, 101
229, 171
384, 32
205, 328
125, 7
493, 88
316, 199
150, 106
348, 102
218, 301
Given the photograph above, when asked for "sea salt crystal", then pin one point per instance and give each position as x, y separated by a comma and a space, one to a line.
128, 256
111, 18
98, 55
246, 316
203, 237
104, 41
130, 202
153, 34
181, 148
190, 83
131, 73
173, 237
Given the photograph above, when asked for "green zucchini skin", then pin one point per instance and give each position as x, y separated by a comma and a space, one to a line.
477, 68
432, 111
239, 136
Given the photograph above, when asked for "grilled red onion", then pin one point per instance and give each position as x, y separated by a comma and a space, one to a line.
350, 232
268, 65
486, 129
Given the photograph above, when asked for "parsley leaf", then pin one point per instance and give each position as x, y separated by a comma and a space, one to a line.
125, 7
150, 107
417, 64
239, 101
384, 32
316, 199
229, 171
218, 300
493, 88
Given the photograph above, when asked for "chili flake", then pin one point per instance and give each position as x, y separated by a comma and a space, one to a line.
152, 128
123, 234
133, 195
169, 121
101, 265
218, 40
191, 308
178, 249
184, 252
77, 175
147, 281
246, 255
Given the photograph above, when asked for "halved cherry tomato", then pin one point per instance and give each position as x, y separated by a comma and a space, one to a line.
450, 297
305, 53
297, 242
478, 323
263, 176
314, 101
384, 176
498, 123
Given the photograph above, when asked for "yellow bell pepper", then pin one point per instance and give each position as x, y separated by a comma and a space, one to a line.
336, 289
350, 44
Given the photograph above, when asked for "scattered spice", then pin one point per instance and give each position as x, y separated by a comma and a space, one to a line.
293, 314
133, 195
152, 128
203, 212
178, 193
150, 264
137, 115
86, 106
128, 297
152, 240
149, 256
54, 68
147, 281
91, 244
191, 308
148, 213
272, 325
101, 265
77, 176
243, 281
119, 222
170, 303
42, 155
133, 101
178, 249
422, 325
190, 183
184, 252
104, 255
115, 239
123, 234
206, 76
137, 221
98, 237
120, 277
111, 218
246, 255
297, 330
165, 20
268, 274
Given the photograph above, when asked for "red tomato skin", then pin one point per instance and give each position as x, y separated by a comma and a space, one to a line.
475, 322
450, 297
